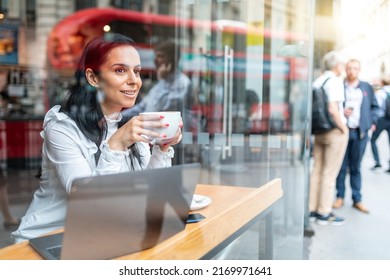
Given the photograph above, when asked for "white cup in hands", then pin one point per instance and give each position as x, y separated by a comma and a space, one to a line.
173, 118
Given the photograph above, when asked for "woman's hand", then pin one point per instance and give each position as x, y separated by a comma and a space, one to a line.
138, 129
165, 144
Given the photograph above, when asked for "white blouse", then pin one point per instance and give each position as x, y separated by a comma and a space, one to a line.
67, 154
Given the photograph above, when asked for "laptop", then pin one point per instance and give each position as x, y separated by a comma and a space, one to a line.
118, 214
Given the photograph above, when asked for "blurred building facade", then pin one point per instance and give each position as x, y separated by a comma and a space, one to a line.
357, 29
364, 25
325, 29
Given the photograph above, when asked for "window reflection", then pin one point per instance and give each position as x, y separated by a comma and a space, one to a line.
247, 101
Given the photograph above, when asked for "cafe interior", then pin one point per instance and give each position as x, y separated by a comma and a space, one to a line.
248, 64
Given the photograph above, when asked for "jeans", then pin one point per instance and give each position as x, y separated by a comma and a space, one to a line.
383, 124
352, 159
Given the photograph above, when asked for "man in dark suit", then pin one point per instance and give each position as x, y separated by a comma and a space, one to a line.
360, 110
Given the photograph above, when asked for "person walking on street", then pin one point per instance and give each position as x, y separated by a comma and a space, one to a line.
383, 121
360, 110
329, 147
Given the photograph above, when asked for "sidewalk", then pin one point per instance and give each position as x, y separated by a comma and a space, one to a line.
363, 236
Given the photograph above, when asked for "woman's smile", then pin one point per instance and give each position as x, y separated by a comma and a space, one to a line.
130, 93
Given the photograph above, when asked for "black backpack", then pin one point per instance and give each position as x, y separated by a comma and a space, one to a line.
321, 120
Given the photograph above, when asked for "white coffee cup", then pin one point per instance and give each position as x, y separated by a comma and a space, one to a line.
173, 118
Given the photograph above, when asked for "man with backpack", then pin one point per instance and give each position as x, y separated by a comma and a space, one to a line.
383, 98
329, 145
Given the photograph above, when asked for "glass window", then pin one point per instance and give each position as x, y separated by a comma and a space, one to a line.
4, 6
84, 4
244, 73
250, 74
135, 5
324, 8
30, 13
164, 7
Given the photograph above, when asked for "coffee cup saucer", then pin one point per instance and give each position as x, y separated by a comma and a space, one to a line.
199, 202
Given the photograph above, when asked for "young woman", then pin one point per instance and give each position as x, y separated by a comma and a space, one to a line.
88, 136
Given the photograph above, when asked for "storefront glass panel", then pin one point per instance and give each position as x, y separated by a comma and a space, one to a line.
245, 114
248, 63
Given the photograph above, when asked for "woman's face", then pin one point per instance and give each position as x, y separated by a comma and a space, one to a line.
120, 79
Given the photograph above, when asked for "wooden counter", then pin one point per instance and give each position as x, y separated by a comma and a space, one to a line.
232, 211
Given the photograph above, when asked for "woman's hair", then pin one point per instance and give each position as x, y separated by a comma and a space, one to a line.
82, 104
